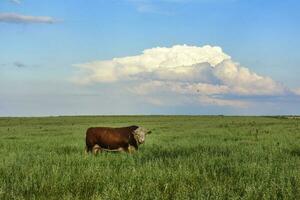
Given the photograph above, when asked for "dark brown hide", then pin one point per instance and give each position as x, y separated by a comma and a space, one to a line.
110, 138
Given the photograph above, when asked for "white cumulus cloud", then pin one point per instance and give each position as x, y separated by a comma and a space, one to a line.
162, 62
205, 74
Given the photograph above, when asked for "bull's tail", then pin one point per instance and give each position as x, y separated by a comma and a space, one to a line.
88, 149
88, 146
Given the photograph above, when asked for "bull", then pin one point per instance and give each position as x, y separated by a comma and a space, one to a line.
115, 139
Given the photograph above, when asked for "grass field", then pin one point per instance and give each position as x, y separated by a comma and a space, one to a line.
185, 157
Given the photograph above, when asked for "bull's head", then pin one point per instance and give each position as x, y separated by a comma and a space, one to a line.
140, 134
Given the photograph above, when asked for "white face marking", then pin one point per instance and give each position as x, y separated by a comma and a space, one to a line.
139, 134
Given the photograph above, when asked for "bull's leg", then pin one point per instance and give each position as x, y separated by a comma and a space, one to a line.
96, 149
131, 149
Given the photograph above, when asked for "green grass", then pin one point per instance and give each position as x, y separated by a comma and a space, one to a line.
185, 157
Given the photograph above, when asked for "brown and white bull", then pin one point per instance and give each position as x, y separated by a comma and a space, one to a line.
114, 139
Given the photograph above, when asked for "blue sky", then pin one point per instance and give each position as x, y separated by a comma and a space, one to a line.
46, 50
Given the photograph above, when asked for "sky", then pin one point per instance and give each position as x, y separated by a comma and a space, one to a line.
124, 57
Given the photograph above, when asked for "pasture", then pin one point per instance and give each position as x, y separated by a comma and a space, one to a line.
185, 157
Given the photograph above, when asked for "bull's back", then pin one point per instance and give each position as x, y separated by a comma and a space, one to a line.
107, 137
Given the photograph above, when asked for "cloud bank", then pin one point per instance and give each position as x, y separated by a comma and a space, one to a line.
199, 75
25, 19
